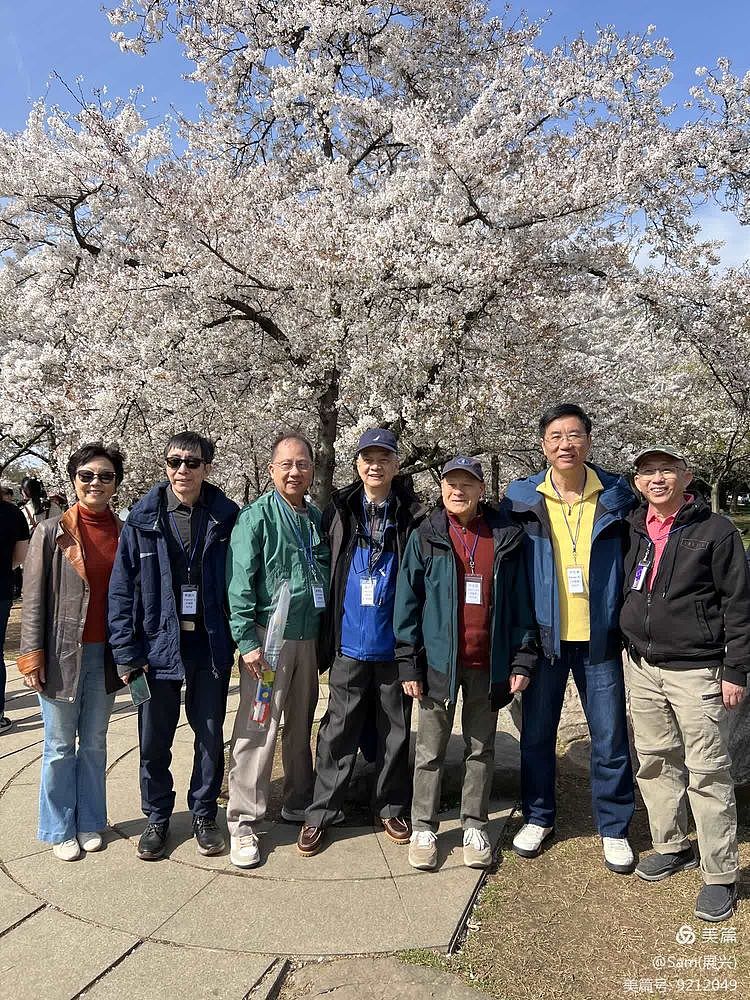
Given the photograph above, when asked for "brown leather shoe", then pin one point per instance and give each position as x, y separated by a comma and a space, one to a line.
397, 828
310, 840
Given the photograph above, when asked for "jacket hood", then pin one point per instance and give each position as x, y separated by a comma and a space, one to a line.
145, 513
617, 496
696, 510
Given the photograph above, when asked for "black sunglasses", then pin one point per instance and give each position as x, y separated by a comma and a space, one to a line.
86, 476
174, 462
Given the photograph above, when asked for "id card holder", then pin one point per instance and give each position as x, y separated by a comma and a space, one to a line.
574, 578
472, 589
189, 599
319, 597
367, 592
641, 571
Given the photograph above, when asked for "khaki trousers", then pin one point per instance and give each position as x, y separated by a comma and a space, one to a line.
681, 735
295, 694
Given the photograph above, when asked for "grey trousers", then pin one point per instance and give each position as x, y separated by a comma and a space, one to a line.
478, 727
681, 735
295, 694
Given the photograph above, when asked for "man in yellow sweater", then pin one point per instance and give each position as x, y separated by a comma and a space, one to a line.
574, 518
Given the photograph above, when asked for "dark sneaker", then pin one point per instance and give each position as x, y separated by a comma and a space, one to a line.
5, 724
209, 836
716, 902
153, 841
310, 840
658, 866
397, 829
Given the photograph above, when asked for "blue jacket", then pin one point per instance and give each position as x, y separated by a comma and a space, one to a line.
143, 621
608, 543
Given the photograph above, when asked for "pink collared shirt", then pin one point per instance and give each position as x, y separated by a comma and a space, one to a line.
658, 532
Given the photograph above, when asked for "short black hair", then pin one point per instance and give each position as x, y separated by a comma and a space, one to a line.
97, 449
292, 436
563, 410
192, 441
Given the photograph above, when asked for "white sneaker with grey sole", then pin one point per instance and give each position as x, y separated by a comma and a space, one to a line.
618, 855
244, 851
530, 839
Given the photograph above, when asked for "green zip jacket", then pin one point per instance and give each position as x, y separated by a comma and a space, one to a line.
264, 550
425, 618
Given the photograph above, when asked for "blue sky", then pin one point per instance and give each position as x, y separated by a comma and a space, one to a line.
72, 38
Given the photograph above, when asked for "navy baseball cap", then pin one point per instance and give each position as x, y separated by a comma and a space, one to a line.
462, 463
377, 437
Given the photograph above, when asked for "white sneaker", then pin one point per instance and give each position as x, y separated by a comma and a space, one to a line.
89, 841
423, 850
529, 840
244, 852
69, 850
477, 849
618, 855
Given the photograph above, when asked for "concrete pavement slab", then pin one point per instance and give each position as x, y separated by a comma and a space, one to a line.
159, 971
15, 903
53, 956
294, 918
376, 979
434, 903
19, 814
111, 886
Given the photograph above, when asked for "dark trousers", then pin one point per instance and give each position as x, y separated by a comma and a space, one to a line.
205, 707
4, 615
352, 685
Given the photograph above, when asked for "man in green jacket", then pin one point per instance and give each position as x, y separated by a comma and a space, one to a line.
463, 620
276, 538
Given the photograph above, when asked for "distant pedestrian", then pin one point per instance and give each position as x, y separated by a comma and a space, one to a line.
14, 541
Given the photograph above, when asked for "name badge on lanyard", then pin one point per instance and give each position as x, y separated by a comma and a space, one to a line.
189, 599
641, 570
367, 591
319, 597
473, 589
575, 581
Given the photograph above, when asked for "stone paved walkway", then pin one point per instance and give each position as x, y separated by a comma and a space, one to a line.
112, 926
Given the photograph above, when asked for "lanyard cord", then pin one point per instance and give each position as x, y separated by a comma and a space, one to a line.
293, 523
469, 553
189, 551
369, 519
564, 504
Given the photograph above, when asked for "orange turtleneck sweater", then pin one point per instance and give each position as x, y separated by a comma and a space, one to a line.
99, 541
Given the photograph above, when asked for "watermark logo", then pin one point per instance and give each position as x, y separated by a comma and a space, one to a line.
685, 935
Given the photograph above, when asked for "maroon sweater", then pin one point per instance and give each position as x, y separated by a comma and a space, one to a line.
473, 619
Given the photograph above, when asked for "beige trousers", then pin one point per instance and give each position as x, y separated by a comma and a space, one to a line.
681, 735
295, 694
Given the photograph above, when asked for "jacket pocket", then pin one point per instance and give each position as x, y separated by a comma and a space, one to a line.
700, 613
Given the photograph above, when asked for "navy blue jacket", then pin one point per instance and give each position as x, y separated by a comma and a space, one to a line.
143, 621
608, 543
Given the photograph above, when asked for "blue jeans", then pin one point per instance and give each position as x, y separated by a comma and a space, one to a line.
602, 691
72, 796
5, 607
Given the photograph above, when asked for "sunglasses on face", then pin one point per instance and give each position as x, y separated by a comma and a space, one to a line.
86, 476
174, 462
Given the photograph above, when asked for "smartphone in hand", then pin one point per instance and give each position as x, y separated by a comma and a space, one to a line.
139, 689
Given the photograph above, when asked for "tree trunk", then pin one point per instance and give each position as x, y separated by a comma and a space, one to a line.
715, 488
495, 467
328, 420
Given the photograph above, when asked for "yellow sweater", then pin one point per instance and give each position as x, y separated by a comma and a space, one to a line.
574, 608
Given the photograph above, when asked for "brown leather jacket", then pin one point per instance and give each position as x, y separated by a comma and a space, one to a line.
55, 602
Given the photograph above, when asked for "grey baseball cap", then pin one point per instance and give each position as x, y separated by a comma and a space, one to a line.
462, 463
658, 449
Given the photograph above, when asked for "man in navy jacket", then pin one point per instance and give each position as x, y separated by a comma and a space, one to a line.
574, 517
167, 618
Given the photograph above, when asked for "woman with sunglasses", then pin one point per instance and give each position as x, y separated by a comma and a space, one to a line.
65, 656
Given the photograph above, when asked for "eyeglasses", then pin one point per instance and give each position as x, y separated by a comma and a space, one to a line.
575, 437
286, 466
174, 462
87, 476
669, 473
